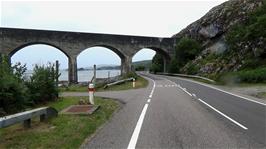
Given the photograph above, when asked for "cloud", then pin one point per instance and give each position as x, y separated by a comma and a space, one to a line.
148, 18
135, 18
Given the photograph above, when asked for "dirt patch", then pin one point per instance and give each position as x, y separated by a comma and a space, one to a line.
80, 109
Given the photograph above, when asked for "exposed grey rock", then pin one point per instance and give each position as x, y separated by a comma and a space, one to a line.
210, 31
218, 47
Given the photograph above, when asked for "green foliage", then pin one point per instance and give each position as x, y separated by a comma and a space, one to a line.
130, 75
187, 49
173, 68
42, 84
192, 69
249, 32
13, 93
140, 68
246, 76
157, 63
252, 76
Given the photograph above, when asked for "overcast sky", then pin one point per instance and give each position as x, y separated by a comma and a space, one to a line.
157, 18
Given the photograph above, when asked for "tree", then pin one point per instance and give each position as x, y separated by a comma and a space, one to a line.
13, 92
157, 63
187, 49
173, 68
42, 84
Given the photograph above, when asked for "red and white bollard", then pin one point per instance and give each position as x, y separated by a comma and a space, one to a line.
91, 90
134, 83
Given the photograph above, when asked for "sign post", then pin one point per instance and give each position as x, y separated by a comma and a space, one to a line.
91, 93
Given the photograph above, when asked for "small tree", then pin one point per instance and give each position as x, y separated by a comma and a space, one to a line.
173, 68
157, 63
13, 92
187, 49
42, 84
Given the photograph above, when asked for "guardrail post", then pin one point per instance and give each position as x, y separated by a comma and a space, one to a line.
27, 123
42, 118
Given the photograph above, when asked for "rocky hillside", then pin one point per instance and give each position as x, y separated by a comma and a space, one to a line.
214, 32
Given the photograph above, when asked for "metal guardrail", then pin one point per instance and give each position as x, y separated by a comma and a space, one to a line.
118, 82
44, 113
188, 76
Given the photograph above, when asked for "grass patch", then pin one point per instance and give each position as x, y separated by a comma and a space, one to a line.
140, 83
74, 88
65, 131
262, 95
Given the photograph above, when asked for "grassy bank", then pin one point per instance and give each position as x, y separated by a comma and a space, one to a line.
140, 83
65, 131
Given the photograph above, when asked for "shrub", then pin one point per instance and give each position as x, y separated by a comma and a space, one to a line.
252, 76
192, 69
173, 68
140, 68
187, 49
13, 92
157, 63
42, 84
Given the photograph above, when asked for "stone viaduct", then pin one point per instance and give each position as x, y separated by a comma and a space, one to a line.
73, 43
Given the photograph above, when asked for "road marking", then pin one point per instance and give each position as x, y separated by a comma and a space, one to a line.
135, 135
134, 138
232, 120
226, 92
185, 90
242, 126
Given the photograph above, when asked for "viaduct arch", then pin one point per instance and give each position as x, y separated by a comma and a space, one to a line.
73, 43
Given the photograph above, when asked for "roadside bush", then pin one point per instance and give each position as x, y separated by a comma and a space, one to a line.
13, 92
187, 49
245, 76
140, 68
192, 69
157, 63
173, 68
42, 84
252, 76
130, 75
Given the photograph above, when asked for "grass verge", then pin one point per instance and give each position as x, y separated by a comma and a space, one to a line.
140, 83
65, 131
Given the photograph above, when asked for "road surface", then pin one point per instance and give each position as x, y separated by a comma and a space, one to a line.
177, 113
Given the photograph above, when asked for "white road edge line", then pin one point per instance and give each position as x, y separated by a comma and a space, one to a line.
149, 100
135, 135
225, 92
232, 120
242, 126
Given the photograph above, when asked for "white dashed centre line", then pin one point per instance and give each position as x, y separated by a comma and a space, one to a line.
135, 135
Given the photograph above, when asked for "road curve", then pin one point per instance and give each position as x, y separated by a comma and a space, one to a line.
169, 114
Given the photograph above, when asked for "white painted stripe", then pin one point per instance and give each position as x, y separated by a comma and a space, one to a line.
135, 135
150, 96
184, 89
149, 100
242, 126
232, 120
194, 95
225, 92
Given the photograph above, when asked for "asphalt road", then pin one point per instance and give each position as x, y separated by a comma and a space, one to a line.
177, 113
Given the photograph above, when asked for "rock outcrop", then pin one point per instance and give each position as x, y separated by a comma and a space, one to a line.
212, 28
